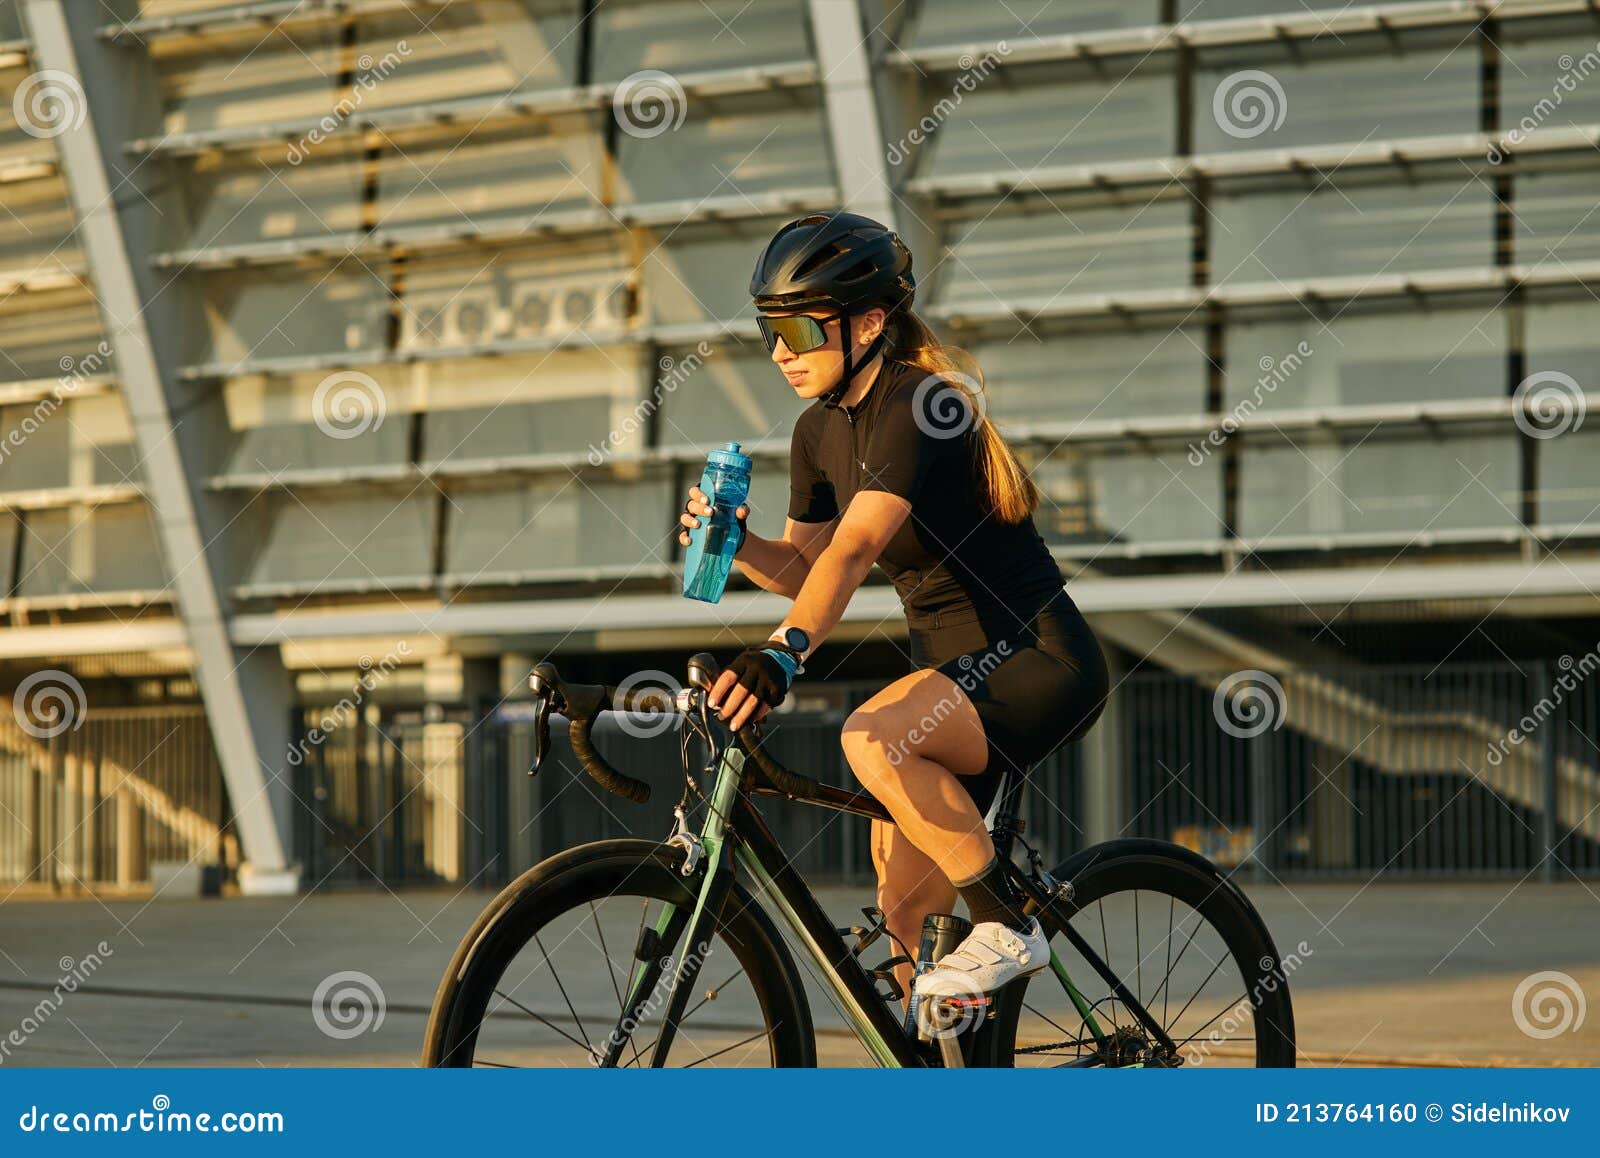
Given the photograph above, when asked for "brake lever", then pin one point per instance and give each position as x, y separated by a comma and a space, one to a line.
541, 734
542, 681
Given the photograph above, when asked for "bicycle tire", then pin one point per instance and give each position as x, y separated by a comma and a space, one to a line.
598, 871
1159, 867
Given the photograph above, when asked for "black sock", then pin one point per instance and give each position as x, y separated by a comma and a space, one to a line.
988, 897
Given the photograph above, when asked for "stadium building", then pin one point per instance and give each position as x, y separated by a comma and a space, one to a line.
356, 355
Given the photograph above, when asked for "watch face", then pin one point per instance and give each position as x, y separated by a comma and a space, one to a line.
796, 638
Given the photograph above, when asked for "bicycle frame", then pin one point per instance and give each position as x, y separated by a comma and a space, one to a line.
734, 833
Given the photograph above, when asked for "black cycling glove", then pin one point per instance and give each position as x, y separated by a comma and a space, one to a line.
767, 672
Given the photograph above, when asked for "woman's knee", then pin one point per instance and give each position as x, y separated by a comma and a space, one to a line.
868, 745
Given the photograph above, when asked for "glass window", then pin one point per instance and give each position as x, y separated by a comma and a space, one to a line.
557, 523
1569, 478
564, 401
343, 536
36, 226
1547, 81
39, 330
1565, 336
66, 442
1104, 495
978, 122
1366, 359
940, 22
273, 312
536, 165
701, 273
1097, 376
453, 51
1352, 230
725, 146
713, 394
1555, 218
1357, 89
684, 36
1062, 251
1338, 484
264, 196
36, 439
275, 420
81, 549
289, 73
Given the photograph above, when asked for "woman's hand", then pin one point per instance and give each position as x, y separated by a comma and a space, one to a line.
699, 507
753, 684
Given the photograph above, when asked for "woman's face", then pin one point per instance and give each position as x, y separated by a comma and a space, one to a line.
815, 372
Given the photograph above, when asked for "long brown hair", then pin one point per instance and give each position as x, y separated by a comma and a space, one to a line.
1008, 491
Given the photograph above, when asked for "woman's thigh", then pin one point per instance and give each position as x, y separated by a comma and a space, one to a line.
923, 714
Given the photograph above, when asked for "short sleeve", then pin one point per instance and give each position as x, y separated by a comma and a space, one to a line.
811, 497
911, 434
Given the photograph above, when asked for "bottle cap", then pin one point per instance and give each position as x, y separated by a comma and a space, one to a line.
729, 457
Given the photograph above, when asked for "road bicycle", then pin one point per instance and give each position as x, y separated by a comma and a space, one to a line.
600, 955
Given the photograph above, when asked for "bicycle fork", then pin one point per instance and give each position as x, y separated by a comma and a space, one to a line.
694, 932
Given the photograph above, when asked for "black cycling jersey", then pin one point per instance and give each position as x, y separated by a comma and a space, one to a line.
951, 561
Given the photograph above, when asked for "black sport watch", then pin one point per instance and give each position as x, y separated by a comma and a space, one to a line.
797, 638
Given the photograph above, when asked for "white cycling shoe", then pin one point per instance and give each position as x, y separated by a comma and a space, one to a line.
991, 955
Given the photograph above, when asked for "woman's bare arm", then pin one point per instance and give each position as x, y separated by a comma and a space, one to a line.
782, 565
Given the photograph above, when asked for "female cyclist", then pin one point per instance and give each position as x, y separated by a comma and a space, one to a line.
894, 464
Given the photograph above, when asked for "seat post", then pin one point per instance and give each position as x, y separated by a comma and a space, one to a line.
1007, 819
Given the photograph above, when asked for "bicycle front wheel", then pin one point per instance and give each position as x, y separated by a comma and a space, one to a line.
542, 978
1183, 942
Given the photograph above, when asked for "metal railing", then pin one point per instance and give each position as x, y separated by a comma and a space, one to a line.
97, 805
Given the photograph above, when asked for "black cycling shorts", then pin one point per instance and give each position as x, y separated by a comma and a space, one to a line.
1036, 685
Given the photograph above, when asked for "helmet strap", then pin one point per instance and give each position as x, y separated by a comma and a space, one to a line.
835, 397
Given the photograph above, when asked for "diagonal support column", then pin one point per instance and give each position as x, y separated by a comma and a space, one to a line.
246, 691
853, 126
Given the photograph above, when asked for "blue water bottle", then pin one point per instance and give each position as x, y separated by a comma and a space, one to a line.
726, 483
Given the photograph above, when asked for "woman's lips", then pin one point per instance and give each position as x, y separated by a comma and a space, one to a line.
795, 377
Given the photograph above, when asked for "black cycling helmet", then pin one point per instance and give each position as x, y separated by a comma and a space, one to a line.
844, 261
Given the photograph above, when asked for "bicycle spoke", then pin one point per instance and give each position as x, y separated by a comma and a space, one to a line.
610, 969
1197, 992
557, 977
690, 1013
754, 1036
543, 1020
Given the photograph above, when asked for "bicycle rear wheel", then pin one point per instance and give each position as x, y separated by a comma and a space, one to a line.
1184, 942
542, 977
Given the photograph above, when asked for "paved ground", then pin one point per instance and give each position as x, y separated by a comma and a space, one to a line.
1411, 972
